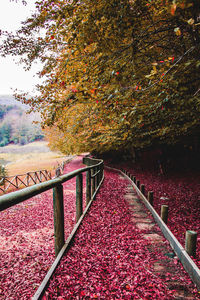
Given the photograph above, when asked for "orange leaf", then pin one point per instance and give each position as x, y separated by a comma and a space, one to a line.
92, 91
173, 9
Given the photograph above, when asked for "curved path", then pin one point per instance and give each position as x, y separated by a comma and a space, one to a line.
119, 253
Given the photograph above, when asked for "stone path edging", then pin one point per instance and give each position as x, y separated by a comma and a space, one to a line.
188, 264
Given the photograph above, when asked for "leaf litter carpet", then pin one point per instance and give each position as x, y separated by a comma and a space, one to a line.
27, 239
116, 256
109, 259
180, 191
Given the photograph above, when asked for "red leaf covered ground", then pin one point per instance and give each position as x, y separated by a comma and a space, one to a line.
27, 239
109, 258
181, 192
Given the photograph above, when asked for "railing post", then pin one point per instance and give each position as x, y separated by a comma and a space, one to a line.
190, 242
98, 176
58, 172
58, 218
164, 213
79, 196
95, 171
142, 189
16, 181
138, 184
150, 197
102, 170
4, 184
88, 186
93, 181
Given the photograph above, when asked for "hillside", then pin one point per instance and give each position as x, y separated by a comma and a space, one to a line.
10, 100
16, 126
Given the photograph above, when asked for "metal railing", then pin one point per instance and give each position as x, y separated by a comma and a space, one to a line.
94, 177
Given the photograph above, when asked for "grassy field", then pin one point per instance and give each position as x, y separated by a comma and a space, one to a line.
32, 157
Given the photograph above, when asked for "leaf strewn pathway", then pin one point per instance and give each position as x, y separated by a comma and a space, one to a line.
109, 259
113, 258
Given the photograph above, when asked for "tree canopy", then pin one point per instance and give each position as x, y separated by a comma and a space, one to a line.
118, 74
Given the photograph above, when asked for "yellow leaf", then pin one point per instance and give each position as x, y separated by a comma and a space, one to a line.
190, 21
177, 31
154, 69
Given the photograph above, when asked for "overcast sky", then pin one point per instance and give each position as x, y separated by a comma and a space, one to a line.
12, 75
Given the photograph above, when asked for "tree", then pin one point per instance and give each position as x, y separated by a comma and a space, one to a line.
2, 173
118, 73
5, 133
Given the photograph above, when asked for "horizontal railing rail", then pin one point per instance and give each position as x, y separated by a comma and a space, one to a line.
94, 177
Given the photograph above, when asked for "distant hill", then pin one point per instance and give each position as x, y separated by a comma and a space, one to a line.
16, 126
10, 100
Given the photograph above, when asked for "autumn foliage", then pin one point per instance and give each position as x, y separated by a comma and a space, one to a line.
118, 74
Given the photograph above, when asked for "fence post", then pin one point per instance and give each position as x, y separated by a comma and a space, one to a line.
88, 186
190, 242
16, 181
96, 178
58, 172
102, 170
99, 175
59, 236
138, 184
150, 197
93, 182
164, 213
142, 188
79, 196
4, 184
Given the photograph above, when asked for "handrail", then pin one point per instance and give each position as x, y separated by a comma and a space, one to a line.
40, 291
92, 186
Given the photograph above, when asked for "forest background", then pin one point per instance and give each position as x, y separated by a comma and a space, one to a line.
16, 126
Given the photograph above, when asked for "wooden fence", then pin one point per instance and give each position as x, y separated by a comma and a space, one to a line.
23, 180
11, 183
94, 177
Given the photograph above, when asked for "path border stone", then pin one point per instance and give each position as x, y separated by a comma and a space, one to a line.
188, 264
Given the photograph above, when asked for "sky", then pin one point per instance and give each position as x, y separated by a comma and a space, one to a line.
12, 75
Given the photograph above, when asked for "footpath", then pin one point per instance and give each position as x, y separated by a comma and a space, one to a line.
119, 253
